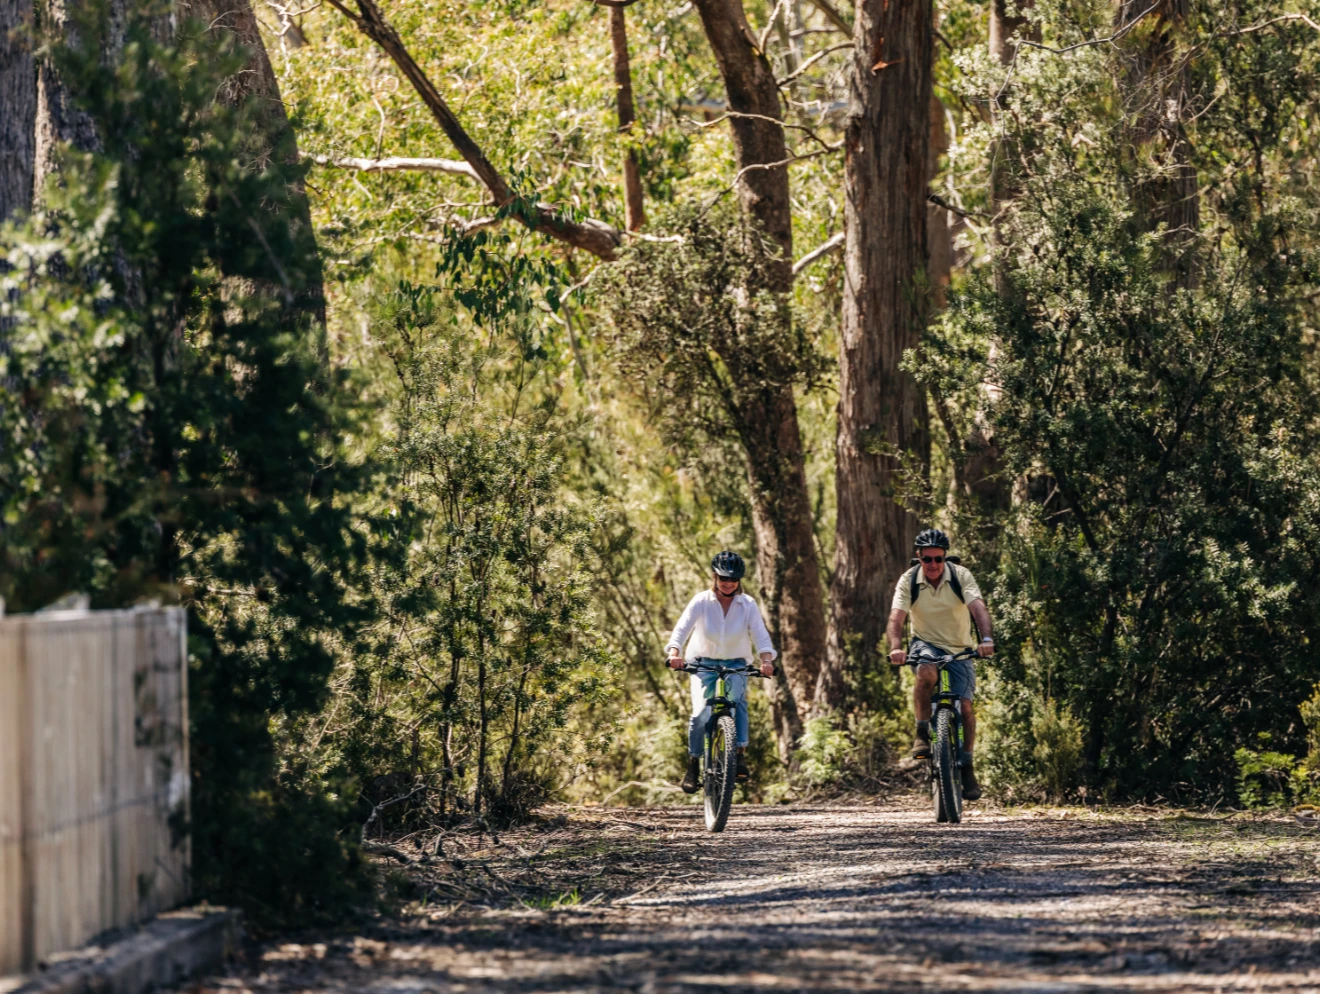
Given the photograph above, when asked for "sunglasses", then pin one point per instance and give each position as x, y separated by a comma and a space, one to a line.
932, 559
726, 579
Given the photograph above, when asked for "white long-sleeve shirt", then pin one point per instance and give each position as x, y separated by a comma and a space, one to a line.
716, 635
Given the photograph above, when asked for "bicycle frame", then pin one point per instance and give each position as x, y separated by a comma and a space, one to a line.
945, 698
948, 749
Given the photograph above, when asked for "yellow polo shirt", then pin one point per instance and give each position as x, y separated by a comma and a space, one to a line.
939, 617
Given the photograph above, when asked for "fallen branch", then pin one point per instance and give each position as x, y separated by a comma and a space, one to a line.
596, 237
834, 243
395, 163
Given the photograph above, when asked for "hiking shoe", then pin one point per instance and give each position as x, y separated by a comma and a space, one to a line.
693, 778
744, 774
971, 789
921, 747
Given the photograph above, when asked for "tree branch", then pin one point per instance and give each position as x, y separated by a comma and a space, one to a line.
832, 15
395, 163
938, 201
592, 236
1097, 41
813, 60
834, 243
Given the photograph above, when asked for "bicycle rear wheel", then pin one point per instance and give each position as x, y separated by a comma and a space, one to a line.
721, 774
948, 788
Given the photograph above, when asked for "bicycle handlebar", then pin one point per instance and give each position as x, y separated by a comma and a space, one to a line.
747, 669
938, 660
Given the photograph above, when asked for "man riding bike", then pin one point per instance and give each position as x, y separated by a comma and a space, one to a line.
722, 623
943, 599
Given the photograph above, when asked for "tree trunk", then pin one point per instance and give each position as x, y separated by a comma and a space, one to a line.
787, 564
635, 215
1159, 85
18, 107
882, 410
59, 120
273, 138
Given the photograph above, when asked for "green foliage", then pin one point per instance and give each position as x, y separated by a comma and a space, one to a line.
1157, 589
699, 326
1269, 779
484, 652
167, 429
822, 751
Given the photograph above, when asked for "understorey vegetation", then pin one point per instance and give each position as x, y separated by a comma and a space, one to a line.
427, 353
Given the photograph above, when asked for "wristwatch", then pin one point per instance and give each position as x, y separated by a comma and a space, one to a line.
987, 640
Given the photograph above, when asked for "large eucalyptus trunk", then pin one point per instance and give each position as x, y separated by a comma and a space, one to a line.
272, 139
787, 563
18, 107
1157, 85
60, 121
882, 434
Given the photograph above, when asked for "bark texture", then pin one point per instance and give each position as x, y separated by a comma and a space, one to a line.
18, 107
882, 410
635, 215
1158, 83
273, 138
59, 119
787, 562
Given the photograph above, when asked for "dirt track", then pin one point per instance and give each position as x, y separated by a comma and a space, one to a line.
820, 898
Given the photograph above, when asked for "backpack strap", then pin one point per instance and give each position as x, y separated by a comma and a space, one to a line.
914, 587
956, 584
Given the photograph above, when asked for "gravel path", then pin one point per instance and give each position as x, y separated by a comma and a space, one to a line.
824, 898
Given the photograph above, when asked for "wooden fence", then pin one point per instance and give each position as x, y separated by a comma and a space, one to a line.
93, 776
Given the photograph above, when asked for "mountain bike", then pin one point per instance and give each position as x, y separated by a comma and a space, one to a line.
720, 758
946, 747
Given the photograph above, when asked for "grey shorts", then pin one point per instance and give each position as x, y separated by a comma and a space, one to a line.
962, 674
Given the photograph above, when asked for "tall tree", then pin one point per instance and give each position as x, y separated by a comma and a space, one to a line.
882, 430
273, 138
632, 178
787, 563
1158, 81
59, 118
18, 106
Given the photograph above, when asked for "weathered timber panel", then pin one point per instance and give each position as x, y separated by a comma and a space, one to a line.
93, 776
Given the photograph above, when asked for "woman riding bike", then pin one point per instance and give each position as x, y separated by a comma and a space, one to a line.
722, 622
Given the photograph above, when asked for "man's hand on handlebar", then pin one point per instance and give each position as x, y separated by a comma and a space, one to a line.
898, 657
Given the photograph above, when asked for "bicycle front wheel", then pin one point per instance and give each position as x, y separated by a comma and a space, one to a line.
948, 787
721, 774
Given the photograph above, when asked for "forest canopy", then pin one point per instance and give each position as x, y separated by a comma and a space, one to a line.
428, 352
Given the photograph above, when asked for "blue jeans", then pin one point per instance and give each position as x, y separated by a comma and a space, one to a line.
703, 687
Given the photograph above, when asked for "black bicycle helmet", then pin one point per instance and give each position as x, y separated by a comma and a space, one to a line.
728, 565
931, 538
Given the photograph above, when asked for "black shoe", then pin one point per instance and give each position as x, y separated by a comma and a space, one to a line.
921, 747
971, 789
744, 774
693, 778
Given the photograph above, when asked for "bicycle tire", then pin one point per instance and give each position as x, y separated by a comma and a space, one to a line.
721, 777
948, 789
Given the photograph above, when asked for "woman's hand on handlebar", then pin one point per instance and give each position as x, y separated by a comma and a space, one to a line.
677, 662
